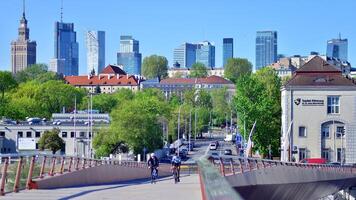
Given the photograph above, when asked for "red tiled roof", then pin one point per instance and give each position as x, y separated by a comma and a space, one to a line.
207, 80
112, 69
317, 72
102, 80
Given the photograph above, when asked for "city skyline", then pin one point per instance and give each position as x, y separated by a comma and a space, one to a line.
293, 39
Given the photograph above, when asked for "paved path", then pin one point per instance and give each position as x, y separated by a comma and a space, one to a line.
187, 189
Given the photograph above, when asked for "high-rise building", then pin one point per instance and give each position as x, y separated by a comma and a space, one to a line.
129, 56
66, 48
337, 48
266, 48
23, 50
185, 55
205, 54
228, 49
95, 44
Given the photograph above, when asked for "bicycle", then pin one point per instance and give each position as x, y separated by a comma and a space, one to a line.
154, 175
175, 174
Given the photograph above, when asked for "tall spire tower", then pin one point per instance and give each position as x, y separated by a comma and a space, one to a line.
23, 50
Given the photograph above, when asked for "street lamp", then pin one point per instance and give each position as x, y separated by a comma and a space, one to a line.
180, 107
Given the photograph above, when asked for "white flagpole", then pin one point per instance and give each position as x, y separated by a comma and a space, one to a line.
249, 143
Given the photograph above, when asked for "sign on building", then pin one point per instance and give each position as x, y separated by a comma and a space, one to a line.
26, 144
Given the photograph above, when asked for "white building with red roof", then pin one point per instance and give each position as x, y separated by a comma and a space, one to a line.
110, 80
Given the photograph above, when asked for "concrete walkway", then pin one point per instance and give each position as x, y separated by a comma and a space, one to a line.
187, 189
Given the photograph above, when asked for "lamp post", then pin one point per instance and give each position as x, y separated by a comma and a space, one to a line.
178, 126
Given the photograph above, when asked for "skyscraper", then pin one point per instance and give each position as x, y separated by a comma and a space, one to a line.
23, 50
129, 56
95, 44
337, 48
266, 48
185, 55
228, 49
66, 48
205, 54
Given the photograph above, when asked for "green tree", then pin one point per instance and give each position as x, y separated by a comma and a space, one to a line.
155, 66
7, 82
102, 102
36, 72
258, 99
198, 70
50, 140
221, 106
236, 67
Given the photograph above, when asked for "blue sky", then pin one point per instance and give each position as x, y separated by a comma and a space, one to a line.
162, 25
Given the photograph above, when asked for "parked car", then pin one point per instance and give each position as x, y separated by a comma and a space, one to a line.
227, 152
314, 161
215, 155
213, 146
335, 163
183, 153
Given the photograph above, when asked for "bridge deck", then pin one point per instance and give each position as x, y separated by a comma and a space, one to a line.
187, 189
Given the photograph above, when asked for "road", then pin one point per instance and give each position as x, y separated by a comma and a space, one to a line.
187, 189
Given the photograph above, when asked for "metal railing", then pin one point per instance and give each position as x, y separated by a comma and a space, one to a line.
231, 166
19, 170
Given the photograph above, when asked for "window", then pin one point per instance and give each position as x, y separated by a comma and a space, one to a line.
326, 154
302, 153
325, 132
333, 105
340, 154
37, 134
36, 145
20, 134
340, 131
28, 134
72, 134
2, 134
82, 134
302, 131
64, 134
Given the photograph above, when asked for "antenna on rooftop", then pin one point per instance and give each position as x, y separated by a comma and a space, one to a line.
339, 35
23, 5
61, 10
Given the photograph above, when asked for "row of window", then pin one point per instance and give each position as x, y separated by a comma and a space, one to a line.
325, 153
20, 134
325, 131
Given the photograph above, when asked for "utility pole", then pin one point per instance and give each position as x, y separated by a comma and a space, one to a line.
178, 127
190, 127
195, 124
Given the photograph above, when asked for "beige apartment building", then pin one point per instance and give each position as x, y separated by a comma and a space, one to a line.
319, 114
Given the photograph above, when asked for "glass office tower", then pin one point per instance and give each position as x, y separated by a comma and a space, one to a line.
266, 48
205, 54
337, 48
66, 48
129, 56
95, 44
228, 49
185, 55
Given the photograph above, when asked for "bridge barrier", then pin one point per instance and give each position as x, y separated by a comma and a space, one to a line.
33, 171
213, 185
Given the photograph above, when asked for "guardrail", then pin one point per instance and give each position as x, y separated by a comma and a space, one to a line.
230, 166
18, 171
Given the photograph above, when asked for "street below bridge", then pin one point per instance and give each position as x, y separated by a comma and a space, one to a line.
187, 189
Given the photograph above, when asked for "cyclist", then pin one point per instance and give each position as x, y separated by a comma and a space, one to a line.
176, 162
153, 164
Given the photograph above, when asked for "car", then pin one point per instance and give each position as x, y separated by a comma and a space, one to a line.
227, 152
183, 153
335, 163
314, 161
215, 155
213, 146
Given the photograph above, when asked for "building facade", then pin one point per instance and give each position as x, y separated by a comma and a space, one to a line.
337, 48
205, 54
23, 136
319, 114
177, 86
185, 72
129, 56
95, 44
185, 55
110, 80
66, 48
23, 50
266, 48
228, 49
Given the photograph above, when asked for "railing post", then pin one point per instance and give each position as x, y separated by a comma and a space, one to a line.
18, 175
222, 167
84, 162
77, 164
256, 161
51, 173
30, 172
70, 164
43, 166
249, 164
263, 164
241, 167
232, 166
90, 160
3, 176
62, 165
